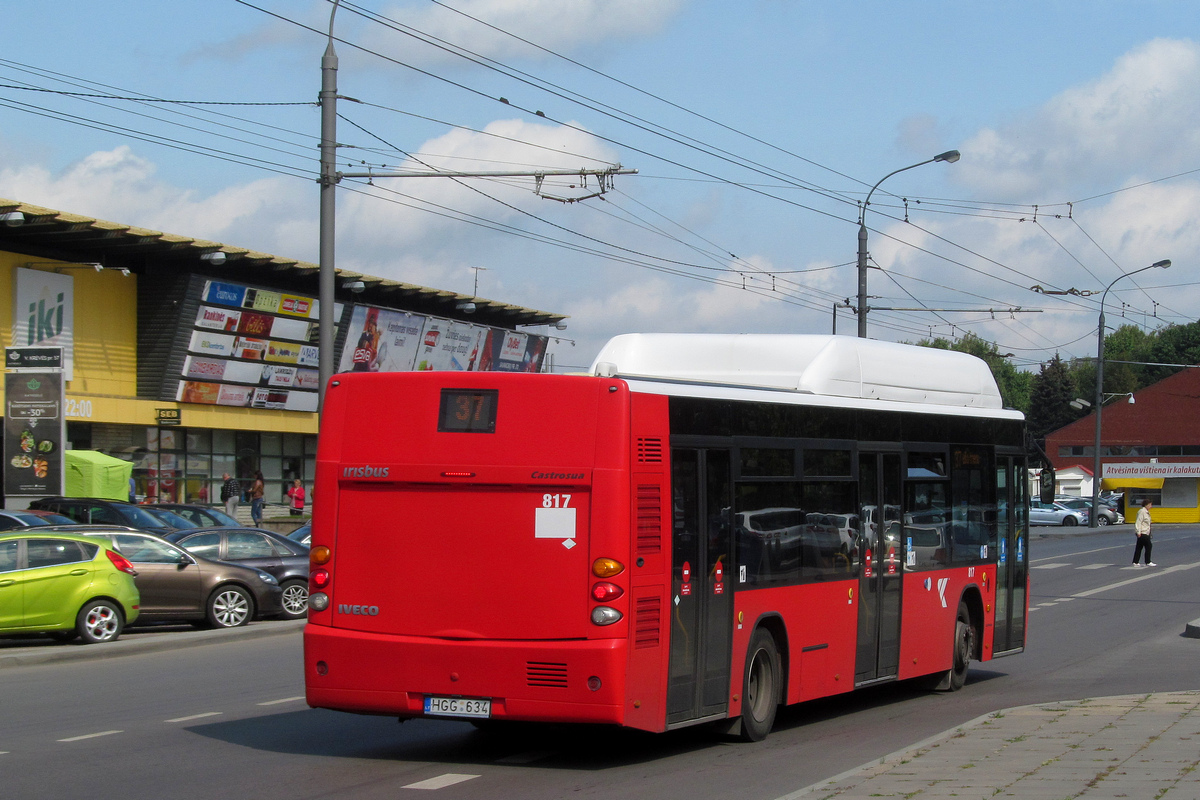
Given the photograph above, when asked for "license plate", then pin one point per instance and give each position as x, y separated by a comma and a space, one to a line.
457, 707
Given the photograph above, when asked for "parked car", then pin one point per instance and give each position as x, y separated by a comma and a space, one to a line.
252, 547
98, 511
177, 585
169, 517
12, 519
1056, 514
66, 585
1107, 516
203, 516
303, 534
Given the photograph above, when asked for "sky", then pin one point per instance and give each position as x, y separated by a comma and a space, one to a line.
756, 130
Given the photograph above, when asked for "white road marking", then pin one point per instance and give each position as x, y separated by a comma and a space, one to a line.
1150, 572
195, 716
440, 782
1081, 553
89, 736
1065, 599
1051, 566
1095, 566
284, 700
525, 758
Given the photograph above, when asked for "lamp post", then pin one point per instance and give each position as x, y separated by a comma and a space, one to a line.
950, 156
1099, 399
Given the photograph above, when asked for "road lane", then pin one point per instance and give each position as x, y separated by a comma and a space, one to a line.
228, 719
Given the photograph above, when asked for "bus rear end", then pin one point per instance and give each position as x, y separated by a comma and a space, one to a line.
472, 551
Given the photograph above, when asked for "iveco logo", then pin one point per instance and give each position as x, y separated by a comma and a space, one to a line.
362, 611
365, 471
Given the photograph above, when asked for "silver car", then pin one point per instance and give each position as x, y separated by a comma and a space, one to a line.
1056, 514
1108, 516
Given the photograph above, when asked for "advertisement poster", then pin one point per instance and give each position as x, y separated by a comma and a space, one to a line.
450, 345
44, 313
33, 433
381, 340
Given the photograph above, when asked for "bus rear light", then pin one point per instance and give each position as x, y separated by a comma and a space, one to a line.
607, 567
318, 601
319, 578
594, 683
604, 591
458, 474
320, 554
604, 615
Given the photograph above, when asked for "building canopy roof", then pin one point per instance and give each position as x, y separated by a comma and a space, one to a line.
61, 236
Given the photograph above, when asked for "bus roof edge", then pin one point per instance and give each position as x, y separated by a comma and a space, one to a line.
832, 366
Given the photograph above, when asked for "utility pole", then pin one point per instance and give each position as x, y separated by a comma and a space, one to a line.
330, 177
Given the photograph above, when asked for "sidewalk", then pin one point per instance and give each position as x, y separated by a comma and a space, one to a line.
1144, 746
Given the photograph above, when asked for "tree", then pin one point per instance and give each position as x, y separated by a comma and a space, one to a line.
1050, 399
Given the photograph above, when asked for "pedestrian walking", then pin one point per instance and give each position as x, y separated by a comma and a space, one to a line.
231, 493
1141, 528
296, 495
256, 498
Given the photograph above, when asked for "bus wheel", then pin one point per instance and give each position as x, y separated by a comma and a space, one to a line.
954, 678
760, 692
964, 646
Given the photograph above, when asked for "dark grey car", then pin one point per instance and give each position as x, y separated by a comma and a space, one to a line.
254, 547
177, 585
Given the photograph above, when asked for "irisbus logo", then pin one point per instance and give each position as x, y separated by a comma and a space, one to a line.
365, 471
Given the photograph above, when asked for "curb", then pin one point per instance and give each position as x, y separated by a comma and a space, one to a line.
143, 642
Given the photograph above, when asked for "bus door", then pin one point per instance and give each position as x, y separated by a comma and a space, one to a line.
702, 585
1012, 560
881, 566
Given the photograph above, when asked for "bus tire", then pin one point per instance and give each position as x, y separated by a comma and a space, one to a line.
955, 678
760, 688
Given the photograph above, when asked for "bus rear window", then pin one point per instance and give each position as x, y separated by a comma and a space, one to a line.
468, 410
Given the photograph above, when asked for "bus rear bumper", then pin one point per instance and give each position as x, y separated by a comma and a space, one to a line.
537, 681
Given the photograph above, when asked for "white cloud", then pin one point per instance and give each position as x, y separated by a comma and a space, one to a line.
1141, 116
120, 186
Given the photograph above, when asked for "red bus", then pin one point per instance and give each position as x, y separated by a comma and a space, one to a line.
700, 529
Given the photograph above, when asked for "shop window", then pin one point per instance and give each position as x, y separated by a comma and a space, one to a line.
310, 445
223, 442
1138, 496
199, 440
1178, 493
293, 444
222, 464
271, 444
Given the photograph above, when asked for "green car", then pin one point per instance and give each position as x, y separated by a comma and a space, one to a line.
66, 585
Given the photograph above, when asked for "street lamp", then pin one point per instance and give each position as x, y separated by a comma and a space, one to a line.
1099, 401
950, 156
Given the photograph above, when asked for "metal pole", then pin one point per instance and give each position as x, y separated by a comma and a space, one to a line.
329, 180
950, 156
1099, 398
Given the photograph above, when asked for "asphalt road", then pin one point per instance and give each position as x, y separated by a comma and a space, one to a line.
228, 719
